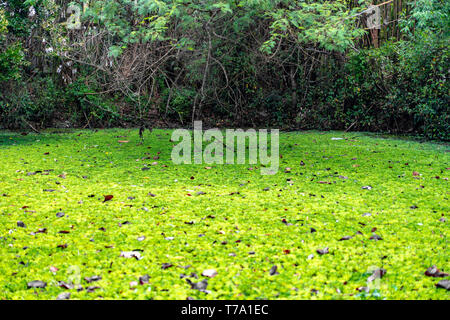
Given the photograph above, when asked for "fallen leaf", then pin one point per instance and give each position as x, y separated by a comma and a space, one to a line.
92, 288
108, 197
322, 251
273, 271
92, 279
377, 274
375, 237
63, 296
210, 273
201, 286
165, 266
144, 279
36, 284
435, 273
65, 285
444, 284
131, 254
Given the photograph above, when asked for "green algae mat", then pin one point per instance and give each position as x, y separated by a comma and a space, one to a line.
96, 215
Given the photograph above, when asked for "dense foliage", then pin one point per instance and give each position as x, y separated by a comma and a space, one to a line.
288, 63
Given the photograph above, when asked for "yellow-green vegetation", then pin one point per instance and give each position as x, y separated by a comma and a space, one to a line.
180, 220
